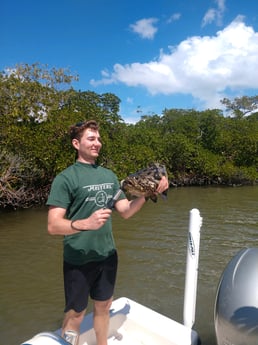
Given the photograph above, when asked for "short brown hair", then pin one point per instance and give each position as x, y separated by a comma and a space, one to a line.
76, 131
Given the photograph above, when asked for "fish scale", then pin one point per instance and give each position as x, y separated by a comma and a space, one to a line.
145, 182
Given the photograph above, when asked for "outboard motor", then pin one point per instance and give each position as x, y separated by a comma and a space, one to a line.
236, 304
46, 338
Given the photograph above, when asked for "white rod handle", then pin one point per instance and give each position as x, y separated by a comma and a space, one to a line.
192, 264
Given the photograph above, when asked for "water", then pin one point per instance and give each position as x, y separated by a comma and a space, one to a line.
152, 259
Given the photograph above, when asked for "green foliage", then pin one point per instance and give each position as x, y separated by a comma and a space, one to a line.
233, 175
21, 182
37, 107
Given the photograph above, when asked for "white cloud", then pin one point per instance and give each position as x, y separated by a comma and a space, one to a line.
214, 14
204, 67
145, 28
221, 5
209, 17
174, 17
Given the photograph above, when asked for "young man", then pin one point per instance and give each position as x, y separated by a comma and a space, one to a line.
77, 211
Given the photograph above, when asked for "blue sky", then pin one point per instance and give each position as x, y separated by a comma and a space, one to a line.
152, 54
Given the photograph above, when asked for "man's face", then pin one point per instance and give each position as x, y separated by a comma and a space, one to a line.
89, 146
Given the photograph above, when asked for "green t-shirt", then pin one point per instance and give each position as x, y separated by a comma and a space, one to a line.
82, 189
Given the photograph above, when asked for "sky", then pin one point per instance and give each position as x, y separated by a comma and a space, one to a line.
152, 54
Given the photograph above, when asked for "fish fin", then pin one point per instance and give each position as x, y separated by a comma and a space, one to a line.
154, 198
164, 194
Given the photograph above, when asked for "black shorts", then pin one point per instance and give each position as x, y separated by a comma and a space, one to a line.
94, 279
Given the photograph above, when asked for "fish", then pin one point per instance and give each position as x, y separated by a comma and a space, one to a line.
145, 182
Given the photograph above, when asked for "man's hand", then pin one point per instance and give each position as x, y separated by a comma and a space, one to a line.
95, 221
163, 185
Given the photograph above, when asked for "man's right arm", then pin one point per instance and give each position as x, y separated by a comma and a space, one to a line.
59, 225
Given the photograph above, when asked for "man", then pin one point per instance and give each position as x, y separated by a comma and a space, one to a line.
78, 211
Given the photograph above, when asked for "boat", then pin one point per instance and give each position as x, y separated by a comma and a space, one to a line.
132, 323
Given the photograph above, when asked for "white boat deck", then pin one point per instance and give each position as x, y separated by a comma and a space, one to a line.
134, 324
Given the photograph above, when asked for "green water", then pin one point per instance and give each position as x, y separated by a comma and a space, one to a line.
152, 259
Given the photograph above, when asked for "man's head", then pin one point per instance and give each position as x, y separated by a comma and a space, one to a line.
86, 141
76, 131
